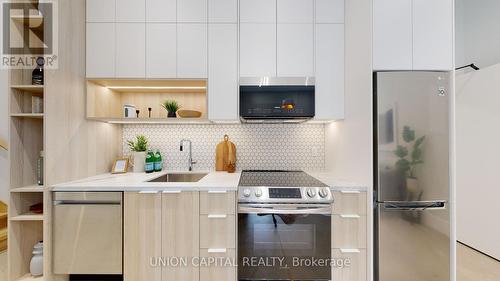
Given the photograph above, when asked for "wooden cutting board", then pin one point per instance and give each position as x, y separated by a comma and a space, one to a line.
225, 156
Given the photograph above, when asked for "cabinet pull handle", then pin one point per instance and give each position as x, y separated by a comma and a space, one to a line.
217, 250
172, 191
353, 216
350, 191
148, 192
350, 251
217, 191
217, 216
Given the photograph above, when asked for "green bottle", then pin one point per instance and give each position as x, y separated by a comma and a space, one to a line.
158, 162
150, 162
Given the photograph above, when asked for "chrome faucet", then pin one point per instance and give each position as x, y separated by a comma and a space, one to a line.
190, 160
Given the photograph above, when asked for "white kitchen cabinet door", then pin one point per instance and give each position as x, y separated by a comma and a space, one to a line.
330, 11
392, 34
100, 50
257, 49
329, 71
161, 50
130, 50
295, 11
194, 11
192, 50
223, 72
432, 34
223, 11
161, 11
100, 10
130, 10
258, 11
295, 50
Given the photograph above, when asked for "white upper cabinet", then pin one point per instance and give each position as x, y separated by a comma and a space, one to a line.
161, 11
392, 34
432, 34
130, 10
295, 50
295, 11
412, 34
329, 11
223, 11
329, 71
100, 45
223, 72
130, 50
257, 49
258, 11
161, 50
192, 11
100, 10
192, 50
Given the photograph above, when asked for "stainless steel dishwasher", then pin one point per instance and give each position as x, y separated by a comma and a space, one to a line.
87, 232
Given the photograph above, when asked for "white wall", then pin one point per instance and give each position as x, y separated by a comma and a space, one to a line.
477, 32
478, 154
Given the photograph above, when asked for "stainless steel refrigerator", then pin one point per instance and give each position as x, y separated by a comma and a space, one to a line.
412, 176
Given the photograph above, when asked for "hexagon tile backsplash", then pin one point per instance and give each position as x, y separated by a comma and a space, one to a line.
258, 146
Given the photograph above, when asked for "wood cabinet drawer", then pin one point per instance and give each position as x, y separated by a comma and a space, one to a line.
217, 203
224, 271
354, 268
348, 231
217, 231
349, 202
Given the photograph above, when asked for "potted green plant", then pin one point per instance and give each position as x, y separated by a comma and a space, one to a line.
409, 160
171, 106
138, 148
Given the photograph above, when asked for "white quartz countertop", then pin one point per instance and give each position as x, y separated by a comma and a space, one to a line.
213, 181
139, 182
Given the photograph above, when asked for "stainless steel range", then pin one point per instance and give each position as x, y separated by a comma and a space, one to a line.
284, 226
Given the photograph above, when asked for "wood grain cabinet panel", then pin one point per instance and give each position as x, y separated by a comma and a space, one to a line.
180, 233
217, 203
349, 232
217, 231
225, 272
356, 270
142, 236
349, 203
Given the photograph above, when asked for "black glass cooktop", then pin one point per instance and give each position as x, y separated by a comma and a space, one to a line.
278, 178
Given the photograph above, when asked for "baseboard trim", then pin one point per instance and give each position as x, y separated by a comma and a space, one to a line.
476, 250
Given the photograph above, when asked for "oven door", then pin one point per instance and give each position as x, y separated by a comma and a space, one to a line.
284, 242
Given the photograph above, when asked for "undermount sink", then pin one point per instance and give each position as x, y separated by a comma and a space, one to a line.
177, 177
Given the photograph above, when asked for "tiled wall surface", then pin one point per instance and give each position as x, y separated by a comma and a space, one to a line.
258, 146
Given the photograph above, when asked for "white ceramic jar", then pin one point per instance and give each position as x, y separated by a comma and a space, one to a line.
36, 264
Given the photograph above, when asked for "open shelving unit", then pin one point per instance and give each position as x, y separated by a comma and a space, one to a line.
27, 141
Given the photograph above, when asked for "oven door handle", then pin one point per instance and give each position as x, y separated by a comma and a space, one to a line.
253, 209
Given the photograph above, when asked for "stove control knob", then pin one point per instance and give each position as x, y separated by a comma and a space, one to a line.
258, 192
323, 193
311, 192
247, 192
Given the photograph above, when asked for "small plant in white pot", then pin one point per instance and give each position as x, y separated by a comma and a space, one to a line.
138, 148
409, 160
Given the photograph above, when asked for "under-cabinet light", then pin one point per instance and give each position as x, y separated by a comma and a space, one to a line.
157, 87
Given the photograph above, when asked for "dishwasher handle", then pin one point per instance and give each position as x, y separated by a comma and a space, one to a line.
85, 202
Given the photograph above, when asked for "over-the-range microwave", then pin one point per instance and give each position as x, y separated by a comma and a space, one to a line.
277, 99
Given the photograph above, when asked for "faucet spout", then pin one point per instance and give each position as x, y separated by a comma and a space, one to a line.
190, 159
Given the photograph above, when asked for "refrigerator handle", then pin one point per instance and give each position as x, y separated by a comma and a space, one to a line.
414, 205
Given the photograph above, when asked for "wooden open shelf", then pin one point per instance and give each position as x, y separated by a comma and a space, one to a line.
34, 89
31, 188
27, 217
28, 277
106, 98
28, 115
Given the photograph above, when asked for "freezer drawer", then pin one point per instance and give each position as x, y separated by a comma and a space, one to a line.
87, 232
413, 242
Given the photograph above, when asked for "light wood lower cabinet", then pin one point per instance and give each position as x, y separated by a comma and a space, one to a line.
172, 225
349, 231
349, 202
354, 267
142, 236
224, 271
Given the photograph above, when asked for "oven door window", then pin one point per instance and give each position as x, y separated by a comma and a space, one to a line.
284, 247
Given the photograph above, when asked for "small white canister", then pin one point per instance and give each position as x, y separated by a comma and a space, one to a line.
36, 264
129, 111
